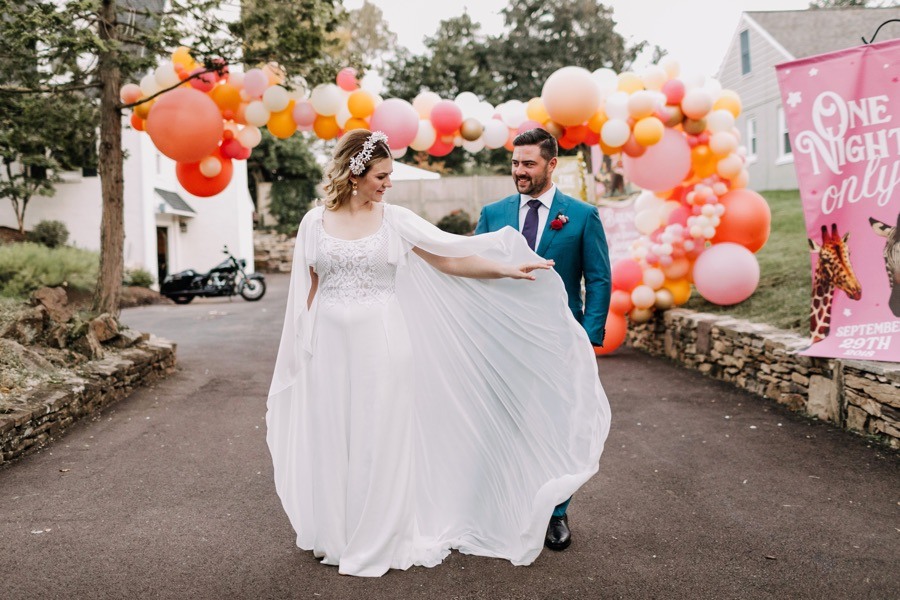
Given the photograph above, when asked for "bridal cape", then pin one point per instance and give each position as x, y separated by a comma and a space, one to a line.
509, 416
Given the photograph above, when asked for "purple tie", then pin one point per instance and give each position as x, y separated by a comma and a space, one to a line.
529, 229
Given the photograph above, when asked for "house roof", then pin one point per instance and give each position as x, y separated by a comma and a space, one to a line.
810, 32
176, 203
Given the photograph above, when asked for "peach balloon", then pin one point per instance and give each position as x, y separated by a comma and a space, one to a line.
626, 274
730, 101
747, 220
570, 96
185, 125
620, 302
536, 111
643, 296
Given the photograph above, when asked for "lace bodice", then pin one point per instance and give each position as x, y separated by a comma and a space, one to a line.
354, 271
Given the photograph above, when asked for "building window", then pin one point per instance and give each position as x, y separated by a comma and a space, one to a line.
784, 141
751, 138
745, 52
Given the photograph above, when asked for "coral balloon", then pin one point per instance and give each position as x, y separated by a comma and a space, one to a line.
663, 166
674, 91
747, 220
441, 148
626, 275
194, 182
185, 125
203, 82
137, 122
570, 96
398, 120
620, 302
361, 104
446, 117
616, 332
726, 274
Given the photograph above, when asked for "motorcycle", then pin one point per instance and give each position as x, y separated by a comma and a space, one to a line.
225, 279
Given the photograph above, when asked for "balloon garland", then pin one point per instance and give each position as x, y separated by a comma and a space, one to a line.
698, 222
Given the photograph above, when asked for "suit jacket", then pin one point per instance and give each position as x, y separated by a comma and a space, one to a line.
579, 249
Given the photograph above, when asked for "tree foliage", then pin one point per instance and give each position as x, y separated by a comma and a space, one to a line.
851, 4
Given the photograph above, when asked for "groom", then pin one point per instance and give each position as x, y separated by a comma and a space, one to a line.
569, 232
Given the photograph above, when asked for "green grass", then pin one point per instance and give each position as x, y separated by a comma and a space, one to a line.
783, 296
26, 267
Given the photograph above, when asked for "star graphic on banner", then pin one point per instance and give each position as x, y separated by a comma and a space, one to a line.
886, 65
813, 72
848, 312
794, 99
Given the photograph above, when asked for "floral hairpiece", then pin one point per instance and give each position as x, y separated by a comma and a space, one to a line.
358, 162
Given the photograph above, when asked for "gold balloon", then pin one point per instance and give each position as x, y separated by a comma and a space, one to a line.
640, 315
554, 129
695, 127
471, 129
664, 299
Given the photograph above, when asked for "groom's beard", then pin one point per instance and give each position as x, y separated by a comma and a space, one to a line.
530, 186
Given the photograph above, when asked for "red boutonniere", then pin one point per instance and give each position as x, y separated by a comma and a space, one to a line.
558, 223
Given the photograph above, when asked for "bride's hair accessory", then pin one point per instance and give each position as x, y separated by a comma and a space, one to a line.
358, 162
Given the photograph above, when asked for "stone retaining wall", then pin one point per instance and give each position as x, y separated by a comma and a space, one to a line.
272, 252
50, 410
862, 396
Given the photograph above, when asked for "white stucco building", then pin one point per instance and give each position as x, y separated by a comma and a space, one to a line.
166, 228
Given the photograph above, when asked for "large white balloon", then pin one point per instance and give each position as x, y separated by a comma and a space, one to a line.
495, 134
607, 80
326, 99
514, 113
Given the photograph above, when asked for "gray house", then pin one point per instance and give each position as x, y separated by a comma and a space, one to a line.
768, 38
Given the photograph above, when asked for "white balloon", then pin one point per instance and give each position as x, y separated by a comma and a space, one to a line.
514, 113
654, 77
713, 86
671, 66
165, 75
615, 132
467, 103
236, 78
495, 134
647, 200
617, 105
647, 221
654, 278
722, 143
249, 136
398, 152
210, 166
643, 296
275, 98
607, 80
256, 114
425, 137
474, 146
343, 115
326, 99
719, 120
484, 112
148, 85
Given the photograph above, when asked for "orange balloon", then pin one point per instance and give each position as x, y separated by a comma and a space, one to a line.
352, 124
616, 331
326, 127
747, 220
596, 122
226, 97
609, 150
185, 125
703, 161
361, 104
196, 183
536, 111
648, 131
143, 110
680, 288
281, 124
137, 122
730, 101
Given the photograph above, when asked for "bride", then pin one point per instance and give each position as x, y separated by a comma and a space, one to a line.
431, 391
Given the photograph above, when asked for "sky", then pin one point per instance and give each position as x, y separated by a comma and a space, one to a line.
696, 32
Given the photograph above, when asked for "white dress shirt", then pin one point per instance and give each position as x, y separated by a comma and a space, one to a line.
543, 211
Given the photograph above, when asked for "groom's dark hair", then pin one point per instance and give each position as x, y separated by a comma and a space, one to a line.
538, 137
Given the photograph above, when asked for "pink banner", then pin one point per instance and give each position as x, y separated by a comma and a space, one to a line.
843, 114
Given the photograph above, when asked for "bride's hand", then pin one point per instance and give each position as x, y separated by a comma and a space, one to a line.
524, 271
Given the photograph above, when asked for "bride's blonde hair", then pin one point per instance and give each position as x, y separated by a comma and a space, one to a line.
338, 186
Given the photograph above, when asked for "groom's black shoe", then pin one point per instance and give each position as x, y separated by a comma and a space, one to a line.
558, 535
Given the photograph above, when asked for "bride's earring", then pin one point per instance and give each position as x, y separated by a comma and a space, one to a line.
353, 183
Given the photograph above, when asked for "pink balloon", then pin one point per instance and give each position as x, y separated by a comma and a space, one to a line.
304, 114
528, 126
627, 274
726, 274
205, 82
663, 166
446, 117
679, 215
398, 120
674, 91
255, 83
346, 79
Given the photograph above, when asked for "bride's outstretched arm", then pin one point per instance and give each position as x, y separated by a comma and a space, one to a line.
477, 267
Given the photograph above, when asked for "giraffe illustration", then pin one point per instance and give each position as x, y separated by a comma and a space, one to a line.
891, 259
833, 271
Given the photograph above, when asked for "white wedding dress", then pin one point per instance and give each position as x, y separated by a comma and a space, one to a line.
411, 412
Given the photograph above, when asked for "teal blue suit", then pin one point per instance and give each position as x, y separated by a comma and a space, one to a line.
579, 250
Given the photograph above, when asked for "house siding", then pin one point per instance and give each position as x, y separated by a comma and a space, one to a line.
761, 98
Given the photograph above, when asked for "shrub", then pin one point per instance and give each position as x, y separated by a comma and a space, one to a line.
139, 278
458, 222
26, 267
52, 234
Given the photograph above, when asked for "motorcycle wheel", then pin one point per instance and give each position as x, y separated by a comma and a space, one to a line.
253, 289
182, 299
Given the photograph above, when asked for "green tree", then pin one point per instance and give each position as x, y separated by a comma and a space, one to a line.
290, 166
545, 35
844, 4
366, 37
92, 47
